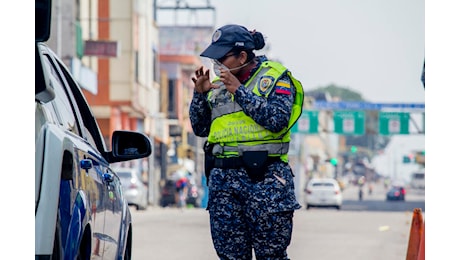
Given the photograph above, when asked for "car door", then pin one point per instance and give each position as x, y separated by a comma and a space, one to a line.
88, 184
111, 197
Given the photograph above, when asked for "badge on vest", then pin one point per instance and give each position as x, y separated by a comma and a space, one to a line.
265, 84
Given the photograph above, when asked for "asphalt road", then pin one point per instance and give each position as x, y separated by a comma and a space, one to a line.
369, 229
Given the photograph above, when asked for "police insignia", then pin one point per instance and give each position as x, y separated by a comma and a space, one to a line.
216, 35
265, 84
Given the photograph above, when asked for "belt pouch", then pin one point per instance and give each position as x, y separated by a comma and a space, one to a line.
256, 164
208, 160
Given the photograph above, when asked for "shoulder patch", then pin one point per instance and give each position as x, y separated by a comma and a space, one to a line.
265, 83
283, 87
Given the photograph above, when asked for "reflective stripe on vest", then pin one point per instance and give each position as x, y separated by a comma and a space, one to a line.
273, 149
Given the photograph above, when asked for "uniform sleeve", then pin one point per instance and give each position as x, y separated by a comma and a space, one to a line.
200, 115
273, 112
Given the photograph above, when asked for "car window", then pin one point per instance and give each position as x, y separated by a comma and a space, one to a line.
92, 133
61, 103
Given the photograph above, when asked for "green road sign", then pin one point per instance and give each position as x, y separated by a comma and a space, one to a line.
307, 123
349, 122
393, 123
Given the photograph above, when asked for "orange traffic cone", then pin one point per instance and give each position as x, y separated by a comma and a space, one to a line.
421, 250
415, 237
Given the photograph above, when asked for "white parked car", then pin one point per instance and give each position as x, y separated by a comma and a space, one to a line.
323, 192
134, 190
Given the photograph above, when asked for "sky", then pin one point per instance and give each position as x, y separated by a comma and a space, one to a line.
376, 48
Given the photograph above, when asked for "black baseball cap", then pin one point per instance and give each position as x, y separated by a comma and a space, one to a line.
226, 38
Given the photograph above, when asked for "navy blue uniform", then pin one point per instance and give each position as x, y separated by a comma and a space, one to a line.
245, 214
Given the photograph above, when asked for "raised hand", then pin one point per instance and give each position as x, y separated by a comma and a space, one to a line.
201, 80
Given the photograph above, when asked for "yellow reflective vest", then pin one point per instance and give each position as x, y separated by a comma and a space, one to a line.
233, 132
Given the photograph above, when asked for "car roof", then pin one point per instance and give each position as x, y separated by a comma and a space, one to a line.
322, 180
316, 181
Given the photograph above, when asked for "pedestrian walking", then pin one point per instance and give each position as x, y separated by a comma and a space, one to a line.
181, 191
246, 112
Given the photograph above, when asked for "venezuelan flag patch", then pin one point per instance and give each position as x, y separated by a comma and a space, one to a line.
282, 87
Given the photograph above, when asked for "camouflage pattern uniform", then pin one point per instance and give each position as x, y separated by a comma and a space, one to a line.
245, 214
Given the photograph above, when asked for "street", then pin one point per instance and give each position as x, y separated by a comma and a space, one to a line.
368, 229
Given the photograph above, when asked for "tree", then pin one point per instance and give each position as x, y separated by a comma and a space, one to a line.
334, 91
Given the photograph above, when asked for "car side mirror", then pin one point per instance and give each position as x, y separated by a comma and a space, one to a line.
129, 145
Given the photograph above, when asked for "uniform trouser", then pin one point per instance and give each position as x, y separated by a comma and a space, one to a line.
245, 215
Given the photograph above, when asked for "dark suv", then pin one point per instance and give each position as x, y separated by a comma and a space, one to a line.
80, 210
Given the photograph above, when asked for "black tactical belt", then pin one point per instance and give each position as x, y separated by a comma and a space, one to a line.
237, 162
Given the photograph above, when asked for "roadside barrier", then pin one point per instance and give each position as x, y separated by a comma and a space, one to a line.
416, 245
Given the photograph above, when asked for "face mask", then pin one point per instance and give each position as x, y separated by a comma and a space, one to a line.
217, 66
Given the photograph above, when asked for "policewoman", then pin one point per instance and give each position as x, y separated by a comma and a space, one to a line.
246, 113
